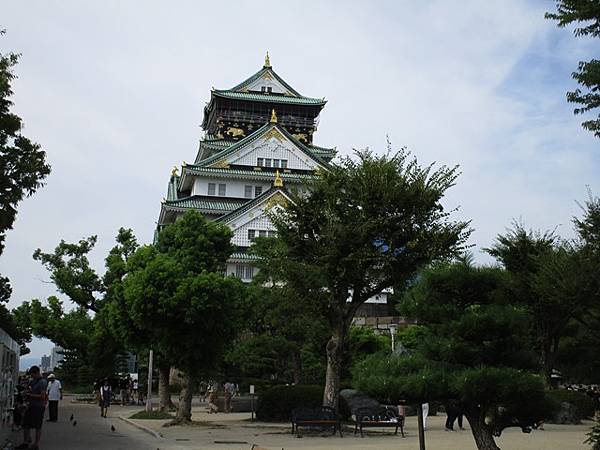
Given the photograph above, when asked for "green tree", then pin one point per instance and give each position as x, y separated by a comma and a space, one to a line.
365, 225
285, 332
467, 355
23, 169
547, 278
177, 290
587, 13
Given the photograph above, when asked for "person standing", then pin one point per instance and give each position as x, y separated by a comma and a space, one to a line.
36, 396
105, 396
54, 396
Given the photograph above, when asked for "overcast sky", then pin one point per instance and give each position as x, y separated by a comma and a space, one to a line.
114, 92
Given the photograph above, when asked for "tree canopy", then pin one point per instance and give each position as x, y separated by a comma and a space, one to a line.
465, 353
585, 13
366, 224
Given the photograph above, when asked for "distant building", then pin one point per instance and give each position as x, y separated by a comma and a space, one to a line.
9, 372
45, 365
56, 357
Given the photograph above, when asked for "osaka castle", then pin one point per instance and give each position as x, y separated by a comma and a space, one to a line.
258, 144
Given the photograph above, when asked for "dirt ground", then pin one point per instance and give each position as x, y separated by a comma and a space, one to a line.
236, 431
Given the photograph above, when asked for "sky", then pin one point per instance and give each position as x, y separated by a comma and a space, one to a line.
114, 92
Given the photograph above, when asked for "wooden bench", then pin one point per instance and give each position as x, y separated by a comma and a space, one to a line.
323, 417
378, 417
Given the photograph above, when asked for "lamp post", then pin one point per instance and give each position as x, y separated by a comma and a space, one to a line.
393, 333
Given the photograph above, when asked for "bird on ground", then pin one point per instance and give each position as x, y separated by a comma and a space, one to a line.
74, 423
71, 418
112, 428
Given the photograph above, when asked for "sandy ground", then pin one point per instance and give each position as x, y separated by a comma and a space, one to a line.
235, 431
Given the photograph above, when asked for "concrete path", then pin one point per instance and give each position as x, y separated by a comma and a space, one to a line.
93, 431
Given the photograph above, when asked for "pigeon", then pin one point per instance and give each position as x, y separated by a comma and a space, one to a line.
71, 418
112, 428
74, 423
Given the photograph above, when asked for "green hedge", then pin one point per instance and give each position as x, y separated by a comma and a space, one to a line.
584, 407
277, 403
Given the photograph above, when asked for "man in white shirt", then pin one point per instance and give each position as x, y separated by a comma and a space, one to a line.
54, 396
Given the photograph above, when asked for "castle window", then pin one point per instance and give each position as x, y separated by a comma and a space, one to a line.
263, 89
267, 162
249, 272
222, 189
260, 162
248, 191
257, 190
251, 235
240, 271
262, 233
269, 89
212, 188
276, 163
284, 164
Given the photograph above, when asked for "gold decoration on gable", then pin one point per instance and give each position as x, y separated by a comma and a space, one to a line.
277, 199
274, 133
267, 76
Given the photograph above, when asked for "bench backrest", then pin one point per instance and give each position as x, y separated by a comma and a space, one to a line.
375, 414
321, 413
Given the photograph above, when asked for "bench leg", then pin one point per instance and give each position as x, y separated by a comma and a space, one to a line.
339, 425
361, 432
396, 432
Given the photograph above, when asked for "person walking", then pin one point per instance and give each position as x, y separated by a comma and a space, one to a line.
229, 391
36, 397
55, 394
105, 397
453, 413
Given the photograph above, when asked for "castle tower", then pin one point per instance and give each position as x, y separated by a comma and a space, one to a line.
258, 144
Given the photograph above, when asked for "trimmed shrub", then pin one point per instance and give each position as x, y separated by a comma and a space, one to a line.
582, 404
277, 403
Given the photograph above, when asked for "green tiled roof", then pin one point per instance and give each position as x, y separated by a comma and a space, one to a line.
269, 98
211, 204
250, 204
172, 188
259, 132
259, 74
246, 174
244, 256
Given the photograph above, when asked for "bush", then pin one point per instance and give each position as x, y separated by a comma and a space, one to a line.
277, 403
584, 407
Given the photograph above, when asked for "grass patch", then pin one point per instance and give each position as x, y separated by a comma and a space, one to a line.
155, 415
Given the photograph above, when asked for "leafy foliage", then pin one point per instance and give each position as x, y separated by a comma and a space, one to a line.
365, 225
176, 293
466, 355
586, 12
584, 406
23, 164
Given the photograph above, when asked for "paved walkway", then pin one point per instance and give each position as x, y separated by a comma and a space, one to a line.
236, 432
93, 432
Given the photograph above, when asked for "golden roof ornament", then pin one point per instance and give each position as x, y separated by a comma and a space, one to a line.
174, 171
273, 116
278, 181
267, 61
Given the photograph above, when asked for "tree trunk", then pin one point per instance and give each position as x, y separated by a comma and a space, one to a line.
184, 409
481, 432
164, 393
335, 350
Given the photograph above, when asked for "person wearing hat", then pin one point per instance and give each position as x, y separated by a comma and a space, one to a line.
54, 396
